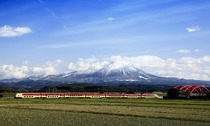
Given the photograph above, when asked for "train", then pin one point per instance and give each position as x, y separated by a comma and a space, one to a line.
84, 95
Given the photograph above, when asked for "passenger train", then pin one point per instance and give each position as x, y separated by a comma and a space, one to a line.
84, 95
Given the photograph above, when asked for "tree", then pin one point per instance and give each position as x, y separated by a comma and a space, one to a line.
173, 93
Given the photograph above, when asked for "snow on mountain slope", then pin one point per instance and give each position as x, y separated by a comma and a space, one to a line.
91, 69
141, 77
115, 71
120, 69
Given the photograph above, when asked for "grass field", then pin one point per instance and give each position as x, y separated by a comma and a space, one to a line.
104, 112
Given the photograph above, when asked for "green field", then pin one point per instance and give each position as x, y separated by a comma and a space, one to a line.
104, 112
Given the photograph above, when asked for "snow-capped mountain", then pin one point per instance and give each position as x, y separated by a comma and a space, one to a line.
119, 69
109, 73
116, 72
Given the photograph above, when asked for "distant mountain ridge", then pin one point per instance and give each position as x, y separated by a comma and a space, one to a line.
109, 73
113, 73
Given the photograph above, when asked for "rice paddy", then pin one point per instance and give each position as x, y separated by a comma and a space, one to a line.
104, 112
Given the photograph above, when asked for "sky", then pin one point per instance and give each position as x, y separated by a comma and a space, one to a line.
169, 38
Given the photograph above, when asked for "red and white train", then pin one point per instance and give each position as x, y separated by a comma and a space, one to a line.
84, 95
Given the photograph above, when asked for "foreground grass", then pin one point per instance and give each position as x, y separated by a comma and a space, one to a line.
143, 112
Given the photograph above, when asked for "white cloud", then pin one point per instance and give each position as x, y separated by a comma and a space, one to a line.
205, 59
183, 51
50, 11
71, 66
11, 71
8, 31
110, 18
193, 29
139, 61
46, 68
84, 64
43, 70
196, 50
53, 63
41, 1
25, 62
187, 51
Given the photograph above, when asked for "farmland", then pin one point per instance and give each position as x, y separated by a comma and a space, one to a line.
75, 111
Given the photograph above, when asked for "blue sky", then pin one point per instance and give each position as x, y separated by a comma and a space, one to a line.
56, 34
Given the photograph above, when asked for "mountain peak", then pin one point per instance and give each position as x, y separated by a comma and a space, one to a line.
118, 64
117, 68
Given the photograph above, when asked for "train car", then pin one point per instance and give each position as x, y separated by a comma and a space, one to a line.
149, 95
74, 95
84, 95
28, 95
132, 95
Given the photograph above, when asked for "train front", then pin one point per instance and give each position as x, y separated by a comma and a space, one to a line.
18, 95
